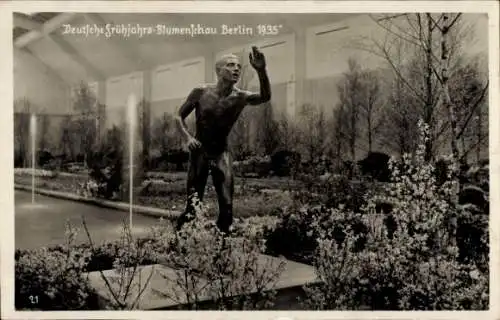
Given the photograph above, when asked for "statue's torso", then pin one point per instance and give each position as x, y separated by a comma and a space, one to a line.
216, 116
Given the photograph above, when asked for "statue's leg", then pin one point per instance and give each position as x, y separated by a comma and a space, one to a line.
196, 182
223, 179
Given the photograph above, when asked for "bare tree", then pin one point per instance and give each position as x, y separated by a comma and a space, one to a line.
370, 105
400, 119
288, 133
337, 123
321, 130
445, 29
313, 131
420, 36
239, 137
43, 132
84, 126
145, 122
66, 148
468, 92
163, 134
21, 130
268, 135
349, 88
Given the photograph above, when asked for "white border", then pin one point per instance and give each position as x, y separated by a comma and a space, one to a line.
6, 96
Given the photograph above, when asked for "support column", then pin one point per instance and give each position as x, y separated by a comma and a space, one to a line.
101, 110
146, 115
300, 69
210, 66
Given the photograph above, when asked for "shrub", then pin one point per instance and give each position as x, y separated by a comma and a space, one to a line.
285, 162
28, 172
125, 291
335, 190
418, 268
179, 158
296, 233
169, 160
472, 224
376, 165
44, 157
80, 158
238, 277
52, 279
234, 275
338, 272
105, 174
321, 197
254, 166
292, 236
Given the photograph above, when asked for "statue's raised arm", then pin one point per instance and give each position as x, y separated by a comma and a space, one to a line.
258, 62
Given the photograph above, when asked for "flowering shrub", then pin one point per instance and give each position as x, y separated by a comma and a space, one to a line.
255, 165
294, 236
239, 277
166, 176
375, 165
338, 270
52, 279
89, 189
336, 190
234, 274
473, 218
285, 162
127, 289
254, 227
416, 267
38, 172
159, 188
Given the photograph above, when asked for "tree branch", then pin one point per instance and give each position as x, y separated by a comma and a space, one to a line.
420, 27
398, 73
141, 292
454, 20
399, 35
476, 104
436, 23
117, 300
477, 143
407, 16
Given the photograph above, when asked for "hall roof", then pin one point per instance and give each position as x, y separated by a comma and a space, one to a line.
76, 57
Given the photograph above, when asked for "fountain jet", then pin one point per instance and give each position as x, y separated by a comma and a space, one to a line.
131, 121
33, 155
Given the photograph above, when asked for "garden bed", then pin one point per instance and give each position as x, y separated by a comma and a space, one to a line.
55, 278
253, 197
365, 259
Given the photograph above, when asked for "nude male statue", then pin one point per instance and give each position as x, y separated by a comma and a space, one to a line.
217, 107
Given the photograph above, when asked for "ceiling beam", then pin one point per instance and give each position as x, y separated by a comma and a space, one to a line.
46, 29
74, 55
63, 83
129, 52
27, 23
22, 21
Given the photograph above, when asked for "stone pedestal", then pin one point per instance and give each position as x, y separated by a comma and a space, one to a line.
160, 292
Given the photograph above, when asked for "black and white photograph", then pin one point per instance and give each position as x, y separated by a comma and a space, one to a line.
234, 161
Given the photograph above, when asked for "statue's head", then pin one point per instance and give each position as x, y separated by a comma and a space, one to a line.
228, 68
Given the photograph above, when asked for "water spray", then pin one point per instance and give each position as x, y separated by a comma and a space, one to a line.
33, 155
131, 121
